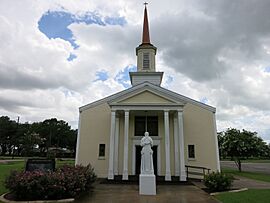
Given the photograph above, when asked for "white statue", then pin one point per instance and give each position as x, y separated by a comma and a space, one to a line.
147, 166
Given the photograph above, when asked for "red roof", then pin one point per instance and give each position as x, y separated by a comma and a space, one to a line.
145, 35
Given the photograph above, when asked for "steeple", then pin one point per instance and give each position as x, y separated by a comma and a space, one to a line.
146, 52
145, 35
146, 58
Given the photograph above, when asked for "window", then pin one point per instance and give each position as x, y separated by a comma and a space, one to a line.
142, 121
146, 61
101, 152
191, 151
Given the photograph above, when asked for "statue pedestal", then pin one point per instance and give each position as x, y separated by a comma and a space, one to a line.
148, 184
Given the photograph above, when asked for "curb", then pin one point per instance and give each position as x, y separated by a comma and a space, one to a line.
3, 199
231, 191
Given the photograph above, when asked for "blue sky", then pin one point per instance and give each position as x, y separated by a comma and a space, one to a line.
54, 24
200, 55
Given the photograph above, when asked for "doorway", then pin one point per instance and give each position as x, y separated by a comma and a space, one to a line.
138, 159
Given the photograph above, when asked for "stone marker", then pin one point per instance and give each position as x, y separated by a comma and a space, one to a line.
40, 164
147, 176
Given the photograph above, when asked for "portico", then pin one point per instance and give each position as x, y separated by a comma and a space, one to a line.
166, 113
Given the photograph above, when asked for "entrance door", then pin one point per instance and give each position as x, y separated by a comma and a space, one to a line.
138, 159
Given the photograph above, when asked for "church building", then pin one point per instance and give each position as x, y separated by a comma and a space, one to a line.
183, 130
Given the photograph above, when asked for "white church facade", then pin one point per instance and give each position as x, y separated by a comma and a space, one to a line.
183, 130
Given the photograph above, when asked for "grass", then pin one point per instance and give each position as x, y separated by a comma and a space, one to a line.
251, 175
256, 161
249, 196
5, 169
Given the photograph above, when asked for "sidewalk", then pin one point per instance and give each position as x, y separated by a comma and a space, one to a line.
4, 161
241, 182
121, 193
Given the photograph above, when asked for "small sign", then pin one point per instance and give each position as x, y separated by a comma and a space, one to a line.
40, 164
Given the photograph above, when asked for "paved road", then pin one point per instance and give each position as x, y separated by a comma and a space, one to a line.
252, 167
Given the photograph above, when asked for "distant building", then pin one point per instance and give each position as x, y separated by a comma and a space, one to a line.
183, 130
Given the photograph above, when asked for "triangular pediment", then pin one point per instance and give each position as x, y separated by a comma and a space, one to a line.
147, 94
146, 97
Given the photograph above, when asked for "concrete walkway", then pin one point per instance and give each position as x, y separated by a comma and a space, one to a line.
242, 182
4, 161
120, 193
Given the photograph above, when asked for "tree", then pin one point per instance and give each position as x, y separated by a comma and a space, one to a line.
7, 132
57, 134
241, 145
25, 138
222, 152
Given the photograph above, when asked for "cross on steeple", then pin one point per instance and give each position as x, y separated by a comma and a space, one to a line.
145, 4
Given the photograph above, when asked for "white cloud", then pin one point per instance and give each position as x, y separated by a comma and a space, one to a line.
213, 50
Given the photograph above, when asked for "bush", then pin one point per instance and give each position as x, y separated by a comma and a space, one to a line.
217, 182
66, 182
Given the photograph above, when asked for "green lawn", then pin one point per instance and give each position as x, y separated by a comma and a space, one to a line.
249, 196
251, 175
256, 161
5, 169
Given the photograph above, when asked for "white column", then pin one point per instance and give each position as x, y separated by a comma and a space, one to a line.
183, 176
176, 145
116, 147
110, 173
125, 165
167, 146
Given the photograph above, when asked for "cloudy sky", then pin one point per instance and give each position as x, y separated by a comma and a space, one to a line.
58, 55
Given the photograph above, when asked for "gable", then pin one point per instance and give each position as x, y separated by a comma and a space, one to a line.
150, 93
146, 97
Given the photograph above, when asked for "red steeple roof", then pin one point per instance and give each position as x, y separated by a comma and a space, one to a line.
145, 35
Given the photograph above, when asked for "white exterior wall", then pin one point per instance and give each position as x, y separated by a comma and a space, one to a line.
199, 129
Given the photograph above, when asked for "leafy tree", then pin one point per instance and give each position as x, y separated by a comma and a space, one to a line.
222, 152
57, 133
7, 132
241, 145
20, 139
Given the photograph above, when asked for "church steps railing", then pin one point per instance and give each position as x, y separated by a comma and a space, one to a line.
197, 171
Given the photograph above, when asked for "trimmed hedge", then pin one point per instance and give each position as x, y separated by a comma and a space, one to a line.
217, 182
65, 182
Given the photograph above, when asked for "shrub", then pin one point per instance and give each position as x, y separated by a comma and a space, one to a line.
65, 182
217, 181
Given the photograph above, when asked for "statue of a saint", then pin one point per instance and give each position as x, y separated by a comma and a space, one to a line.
147, 166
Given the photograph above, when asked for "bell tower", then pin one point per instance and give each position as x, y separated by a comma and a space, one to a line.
146, 52
146, 58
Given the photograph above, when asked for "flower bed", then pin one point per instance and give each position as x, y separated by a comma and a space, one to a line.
66, 182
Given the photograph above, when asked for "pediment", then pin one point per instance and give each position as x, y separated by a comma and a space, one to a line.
146, 94
146, 97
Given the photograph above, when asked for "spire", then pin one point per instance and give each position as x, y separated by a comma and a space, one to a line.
145, 35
